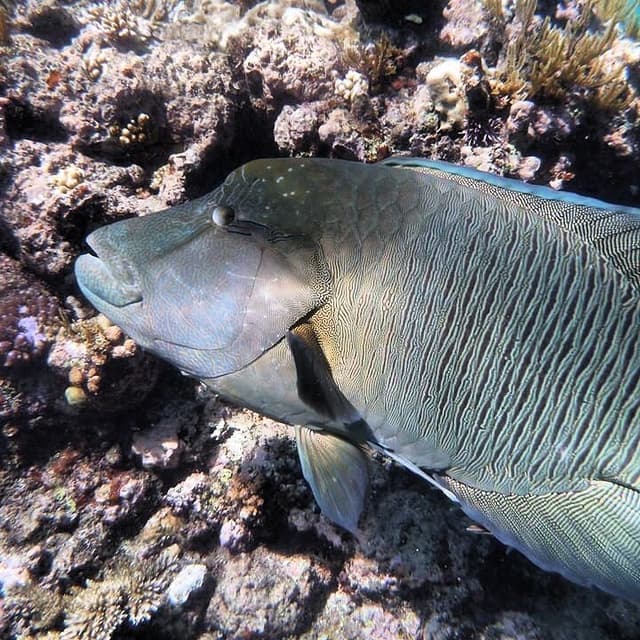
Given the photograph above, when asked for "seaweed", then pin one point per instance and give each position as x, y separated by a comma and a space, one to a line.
626, 12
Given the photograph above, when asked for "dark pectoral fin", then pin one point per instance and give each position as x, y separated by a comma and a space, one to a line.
338, 475
316, 386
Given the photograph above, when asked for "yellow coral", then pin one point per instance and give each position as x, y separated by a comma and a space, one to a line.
549, 62
68, 178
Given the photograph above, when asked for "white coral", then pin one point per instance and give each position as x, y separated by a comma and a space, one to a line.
120, 24
445, 83
354, 84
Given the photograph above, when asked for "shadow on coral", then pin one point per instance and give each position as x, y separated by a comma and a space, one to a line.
251, 139
23, 121
142, 111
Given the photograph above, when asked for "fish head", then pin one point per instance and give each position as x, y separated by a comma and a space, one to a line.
203, 285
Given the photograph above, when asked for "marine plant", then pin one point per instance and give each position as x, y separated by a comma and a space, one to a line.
548, 62
626, 12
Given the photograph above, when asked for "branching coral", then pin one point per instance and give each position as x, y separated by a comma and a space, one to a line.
549, 62
97, 612
378, 61
133, 589
126, 23
154, 10
351, 86
135, 22
627, 12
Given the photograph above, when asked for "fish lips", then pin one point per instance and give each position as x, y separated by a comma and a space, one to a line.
107, 278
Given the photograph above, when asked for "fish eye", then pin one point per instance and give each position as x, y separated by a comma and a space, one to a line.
222, 215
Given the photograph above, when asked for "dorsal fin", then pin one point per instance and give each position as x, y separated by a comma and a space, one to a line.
614, 230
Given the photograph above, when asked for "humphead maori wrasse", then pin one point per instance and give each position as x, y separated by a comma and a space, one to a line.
482, 332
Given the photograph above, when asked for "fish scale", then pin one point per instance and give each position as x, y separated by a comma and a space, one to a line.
480, 331
508, 436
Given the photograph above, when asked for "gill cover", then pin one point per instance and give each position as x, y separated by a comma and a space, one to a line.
230, 294
210, 297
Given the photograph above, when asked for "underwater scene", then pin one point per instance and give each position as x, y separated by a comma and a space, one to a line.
319, 319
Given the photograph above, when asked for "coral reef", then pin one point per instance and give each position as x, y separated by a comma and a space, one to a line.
288, 573
29, 315
266, 594
542, 60
132, 502
132, 591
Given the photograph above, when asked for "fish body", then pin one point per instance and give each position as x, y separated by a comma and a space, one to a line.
482, 332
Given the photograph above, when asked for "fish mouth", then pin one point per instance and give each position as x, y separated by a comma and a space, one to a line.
105, 277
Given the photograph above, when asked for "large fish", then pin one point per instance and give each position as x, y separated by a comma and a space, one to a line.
482, 332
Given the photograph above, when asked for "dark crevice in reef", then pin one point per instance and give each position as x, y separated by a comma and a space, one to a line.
80, 221
23, 121
602, 173
252, 139
392, 13
36, 443
92, 431
9, 244
412, 24
53, 24
507, 575
599, 170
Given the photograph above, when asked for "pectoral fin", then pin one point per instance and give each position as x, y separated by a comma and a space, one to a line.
338, 475
316, 386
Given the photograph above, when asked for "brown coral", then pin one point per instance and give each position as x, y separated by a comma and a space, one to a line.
97, 612
132, 591
29, 315
379, 61
101, 364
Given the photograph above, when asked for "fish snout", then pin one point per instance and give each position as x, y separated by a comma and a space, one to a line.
107, 277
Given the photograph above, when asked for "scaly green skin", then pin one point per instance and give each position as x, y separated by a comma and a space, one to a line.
480, 330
